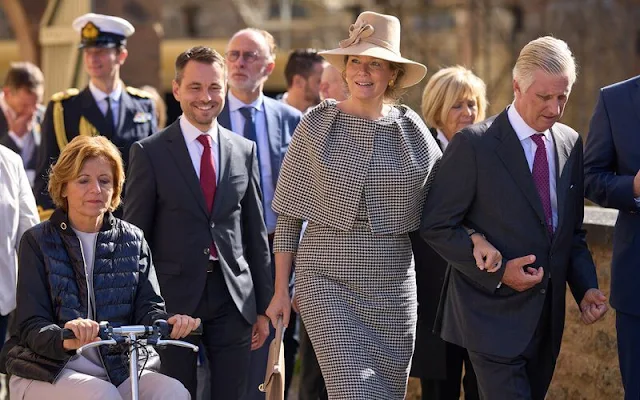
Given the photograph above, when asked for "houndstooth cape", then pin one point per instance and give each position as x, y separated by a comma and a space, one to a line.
324, 171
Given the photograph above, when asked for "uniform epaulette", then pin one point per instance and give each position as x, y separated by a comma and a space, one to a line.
65, 94
139, 93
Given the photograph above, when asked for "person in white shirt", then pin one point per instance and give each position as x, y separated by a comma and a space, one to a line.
17, 214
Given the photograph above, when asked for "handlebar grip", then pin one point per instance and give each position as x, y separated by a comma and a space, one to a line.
67, 334
165, 328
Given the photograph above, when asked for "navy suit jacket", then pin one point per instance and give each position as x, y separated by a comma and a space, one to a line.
611, 160
282, 121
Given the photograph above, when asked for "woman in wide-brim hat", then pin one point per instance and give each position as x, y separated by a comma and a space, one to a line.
358, 171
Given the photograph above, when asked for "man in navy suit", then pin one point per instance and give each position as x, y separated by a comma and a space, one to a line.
250, 59
612, 179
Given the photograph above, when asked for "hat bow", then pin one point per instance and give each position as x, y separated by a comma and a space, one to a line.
357, 31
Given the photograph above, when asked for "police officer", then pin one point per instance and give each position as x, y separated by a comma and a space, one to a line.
105, 107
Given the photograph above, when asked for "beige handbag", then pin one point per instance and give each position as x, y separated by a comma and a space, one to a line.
273, 384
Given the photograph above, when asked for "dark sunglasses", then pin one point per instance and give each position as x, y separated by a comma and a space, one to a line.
247, 56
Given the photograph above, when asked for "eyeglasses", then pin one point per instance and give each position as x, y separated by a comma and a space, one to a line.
247, 56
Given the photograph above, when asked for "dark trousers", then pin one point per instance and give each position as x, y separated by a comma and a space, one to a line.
449, 388
628, 330
290, 342
312, 385
525, 377
226, 339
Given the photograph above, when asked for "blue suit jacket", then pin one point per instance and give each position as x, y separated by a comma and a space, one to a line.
282, 121
611, 160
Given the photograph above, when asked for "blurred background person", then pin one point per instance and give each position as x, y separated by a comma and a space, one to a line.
161, 106
22, 113
303, 72
95, 267
452, 99
17, 214
332, 85
355, 282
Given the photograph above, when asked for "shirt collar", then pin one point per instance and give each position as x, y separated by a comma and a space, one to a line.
235, 104
99, 95
523, 130
191, 133
442, 138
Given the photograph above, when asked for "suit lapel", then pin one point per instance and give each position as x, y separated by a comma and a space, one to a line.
224, 119
91, 111
125, 105
178, 149
512, 155
223, 173
563, 151
274, 135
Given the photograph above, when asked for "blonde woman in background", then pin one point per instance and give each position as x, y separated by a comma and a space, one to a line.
453, 98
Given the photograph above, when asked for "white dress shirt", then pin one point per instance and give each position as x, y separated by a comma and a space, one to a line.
17, 214
443, 139
524, 133
195, 148
262, 135
101, 100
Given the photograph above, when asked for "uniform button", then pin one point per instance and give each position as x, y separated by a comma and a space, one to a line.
206, 251
213, 225
543, 291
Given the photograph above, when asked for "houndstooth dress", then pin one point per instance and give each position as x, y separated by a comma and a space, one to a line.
361, 185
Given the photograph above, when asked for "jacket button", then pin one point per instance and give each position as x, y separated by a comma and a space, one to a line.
543, 291
206, 251
213, 225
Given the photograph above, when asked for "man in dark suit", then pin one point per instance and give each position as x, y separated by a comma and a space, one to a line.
21, 113
612, 179
516, 178
269, 123
194, 189
105, 107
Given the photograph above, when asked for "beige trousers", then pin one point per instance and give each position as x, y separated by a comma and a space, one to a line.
75, 385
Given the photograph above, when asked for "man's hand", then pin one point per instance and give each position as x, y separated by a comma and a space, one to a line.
487, 257
260, 332
520, 279
636, 185
593, 306
85, 330
22, 123
182, 325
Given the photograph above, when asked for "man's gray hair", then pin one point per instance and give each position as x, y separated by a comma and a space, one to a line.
548, 54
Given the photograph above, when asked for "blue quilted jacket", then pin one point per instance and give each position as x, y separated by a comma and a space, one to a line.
52, 289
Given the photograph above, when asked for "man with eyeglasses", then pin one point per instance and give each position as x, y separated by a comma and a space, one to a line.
250, 59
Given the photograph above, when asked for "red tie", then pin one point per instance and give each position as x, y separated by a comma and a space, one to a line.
208, 179
540, 174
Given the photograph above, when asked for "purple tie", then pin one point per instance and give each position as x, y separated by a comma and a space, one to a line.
540, 174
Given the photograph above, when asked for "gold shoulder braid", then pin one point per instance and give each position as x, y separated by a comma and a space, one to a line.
138, 92
58, 115
86, 128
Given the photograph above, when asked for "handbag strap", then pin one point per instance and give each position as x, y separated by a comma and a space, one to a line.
279, 336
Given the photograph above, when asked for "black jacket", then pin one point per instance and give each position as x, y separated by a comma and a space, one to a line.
52, 289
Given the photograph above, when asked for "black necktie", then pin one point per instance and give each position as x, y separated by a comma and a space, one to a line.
109, 118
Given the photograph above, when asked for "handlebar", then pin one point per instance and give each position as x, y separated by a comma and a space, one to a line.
158, 331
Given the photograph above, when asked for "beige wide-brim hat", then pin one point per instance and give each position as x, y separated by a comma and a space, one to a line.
376, 35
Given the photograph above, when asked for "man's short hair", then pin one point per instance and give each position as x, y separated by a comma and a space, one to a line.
301, 62
24, 75
201, 54
548, 54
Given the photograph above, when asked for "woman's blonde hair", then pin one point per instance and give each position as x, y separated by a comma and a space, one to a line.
71, 161
445, 88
